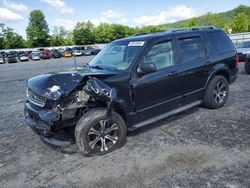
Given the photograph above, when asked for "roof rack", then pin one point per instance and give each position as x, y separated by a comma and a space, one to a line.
178, 30
145, 33
191, 28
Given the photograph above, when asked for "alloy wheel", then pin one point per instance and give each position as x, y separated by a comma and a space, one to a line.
220, 92
103, 136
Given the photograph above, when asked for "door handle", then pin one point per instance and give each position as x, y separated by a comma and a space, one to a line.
172, 73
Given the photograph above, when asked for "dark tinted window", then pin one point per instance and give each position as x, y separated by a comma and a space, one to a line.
161, 55
191, 49
221, 42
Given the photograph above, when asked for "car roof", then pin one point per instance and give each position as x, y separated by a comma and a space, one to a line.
164, 33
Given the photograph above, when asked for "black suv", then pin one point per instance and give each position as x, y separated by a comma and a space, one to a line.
131, 83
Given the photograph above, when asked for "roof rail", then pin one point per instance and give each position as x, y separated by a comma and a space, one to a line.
145, 33
177, 30
191, 28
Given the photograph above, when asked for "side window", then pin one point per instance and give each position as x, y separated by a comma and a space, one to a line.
191, 49
247, 45
161, 55
221, 42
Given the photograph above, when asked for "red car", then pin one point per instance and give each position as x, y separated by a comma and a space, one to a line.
45, 54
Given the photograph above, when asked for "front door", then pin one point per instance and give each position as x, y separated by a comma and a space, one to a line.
157, 92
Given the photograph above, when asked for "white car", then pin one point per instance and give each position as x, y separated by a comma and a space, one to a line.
77, 53
35, 56
2, 60
23, 58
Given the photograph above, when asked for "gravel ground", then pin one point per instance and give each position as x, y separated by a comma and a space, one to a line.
198, 148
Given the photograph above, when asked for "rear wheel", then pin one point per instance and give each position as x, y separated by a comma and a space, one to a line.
96, 136
216, 93
247, 67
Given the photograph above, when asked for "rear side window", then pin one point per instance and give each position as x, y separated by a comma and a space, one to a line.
221, 42
191, 49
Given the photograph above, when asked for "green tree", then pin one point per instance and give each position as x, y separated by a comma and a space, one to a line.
119, 31
242, 8
38, 30
193, 22
12, 40
83, 33
56, 38
61, 37
151, 28
104, 33
240, 23
2, 36
68, 38
9, 39
212, 19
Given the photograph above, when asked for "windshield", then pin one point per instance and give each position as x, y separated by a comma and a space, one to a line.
117, 55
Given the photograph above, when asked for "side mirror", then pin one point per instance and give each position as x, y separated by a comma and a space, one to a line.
146, 68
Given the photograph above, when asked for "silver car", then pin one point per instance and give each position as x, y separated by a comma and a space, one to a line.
35, 56
2, 61
243, 50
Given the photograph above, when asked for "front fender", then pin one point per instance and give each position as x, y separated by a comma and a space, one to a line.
102, 92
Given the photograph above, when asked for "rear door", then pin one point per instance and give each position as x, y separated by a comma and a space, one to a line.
192, 68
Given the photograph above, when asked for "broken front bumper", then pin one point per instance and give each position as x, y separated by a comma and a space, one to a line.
42, 122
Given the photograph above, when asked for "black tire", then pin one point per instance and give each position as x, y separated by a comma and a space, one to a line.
213, 98
89, 129
247, 67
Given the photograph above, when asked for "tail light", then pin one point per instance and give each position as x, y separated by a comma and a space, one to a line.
237, 61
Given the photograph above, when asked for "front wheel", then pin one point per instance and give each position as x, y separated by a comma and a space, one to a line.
96, 136
247, 67
216, 92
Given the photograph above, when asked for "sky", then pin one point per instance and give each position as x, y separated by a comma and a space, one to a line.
66, 13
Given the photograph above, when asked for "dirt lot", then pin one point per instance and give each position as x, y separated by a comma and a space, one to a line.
198, 148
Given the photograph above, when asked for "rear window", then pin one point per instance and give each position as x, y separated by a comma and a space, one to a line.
221, 42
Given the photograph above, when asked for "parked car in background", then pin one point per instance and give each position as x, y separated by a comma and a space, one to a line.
61, 50
2, 57
2, 60
77, 53
67, 54
11, 58
243, 50
45, 54
56, 54
131, 83
23, 57
95, 51
86, 52
247, 64
35, 55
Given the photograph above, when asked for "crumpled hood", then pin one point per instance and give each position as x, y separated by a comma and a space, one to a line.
63, 82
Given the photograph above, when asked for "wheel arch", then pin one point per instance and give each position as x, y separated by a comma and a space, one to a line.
120, 108
219, 69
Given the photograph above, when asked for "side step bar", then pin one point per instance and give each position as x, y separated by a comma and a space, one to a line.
165, 115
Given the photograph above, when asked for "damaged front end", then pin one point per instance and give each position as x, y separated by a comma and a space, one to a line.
53, 112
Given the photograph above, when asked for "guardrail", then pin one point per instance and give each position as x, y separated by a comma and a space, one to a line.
239, 37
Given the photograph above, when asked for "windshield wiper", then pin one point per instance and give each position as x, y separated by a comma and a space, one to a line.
96, 67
